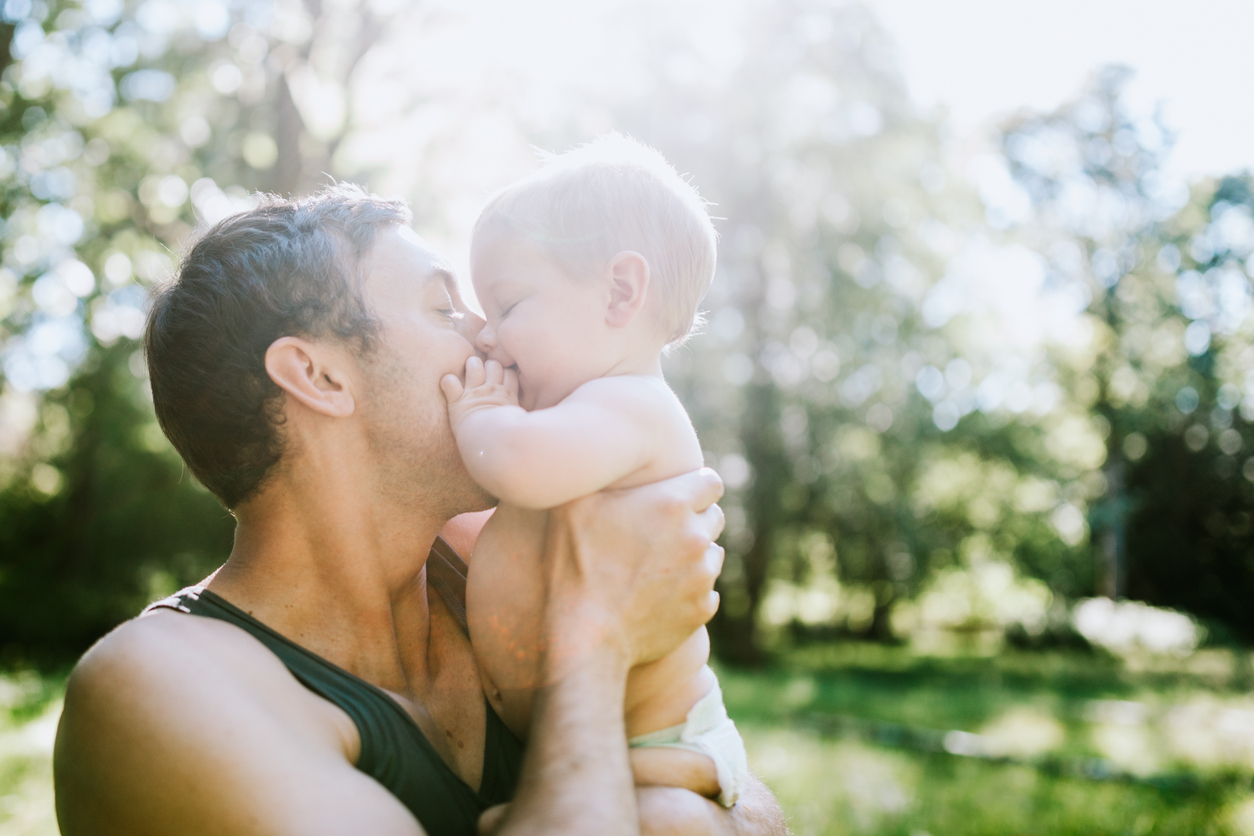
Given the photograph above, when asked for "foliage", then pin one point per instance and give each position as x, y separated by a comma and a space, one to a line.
948, 388
840, 407
1163, 374
119, 122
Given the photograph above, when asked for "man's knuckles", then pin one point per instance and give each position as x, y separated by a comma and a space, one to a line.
711, 606
693, 542
717, 519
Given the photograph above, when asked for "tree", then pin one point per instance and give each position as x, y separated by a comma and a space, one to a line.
119, 122
837, 216
1162, 375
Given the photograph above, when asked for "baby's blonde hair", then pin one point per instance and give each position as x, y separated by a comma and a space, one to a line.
583, 207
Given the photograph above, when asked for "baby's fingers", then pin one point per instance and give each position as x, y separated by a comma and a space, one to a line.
475, 374
451, 387
493, 372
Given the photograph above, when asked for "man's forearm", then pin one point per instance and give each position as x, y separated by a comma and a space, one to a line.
602, 617
576, 776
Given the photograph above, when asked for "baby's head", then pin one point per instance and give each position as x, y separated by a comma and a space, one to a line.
605, 217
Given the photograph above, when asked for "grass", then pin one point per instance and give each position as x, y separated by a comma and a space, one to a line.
860, 739
864, 739
30, 705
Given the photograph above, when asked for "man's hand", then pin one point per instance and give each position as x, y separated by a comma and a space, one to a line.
671, 811
620, 593
633, 588
488, 386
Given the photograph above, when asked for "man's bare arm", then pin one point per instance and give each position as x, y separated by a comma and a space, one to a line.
182, 724
602, 618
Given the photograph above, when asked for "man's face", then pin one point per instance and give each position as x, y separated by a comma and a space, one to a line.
427, 332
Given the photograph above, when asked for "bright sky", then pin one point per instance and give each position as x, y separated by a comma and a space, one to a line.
974, 60
981, 59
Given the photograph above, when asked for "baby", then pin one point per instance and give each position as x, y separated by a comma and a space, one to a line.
586, 271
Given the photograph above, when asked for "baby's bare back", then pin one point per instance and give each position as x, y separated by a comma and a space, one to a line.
504, 603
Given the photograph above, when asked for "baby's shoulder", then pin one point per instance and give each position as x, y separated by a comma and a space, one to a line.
645, 409
634, 393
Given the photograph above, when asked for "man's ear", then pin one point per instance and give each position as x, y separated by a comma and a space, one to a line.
311, 373
629, 286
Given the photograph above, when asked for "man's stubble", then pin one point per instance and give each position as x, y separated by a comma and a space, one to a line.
411, 442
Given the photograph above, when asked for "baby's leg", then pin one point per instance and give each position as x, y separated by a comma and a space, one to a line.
660, 766
705, 754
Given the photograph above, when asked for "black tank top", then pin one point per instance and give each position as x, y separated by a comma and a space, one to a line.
393, 750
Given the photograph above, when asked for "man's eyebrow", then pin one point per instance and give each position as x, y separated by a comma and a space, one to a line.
442, 274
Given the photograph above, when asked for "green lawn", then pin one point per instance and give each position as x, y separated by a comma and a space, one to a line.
29, 708
862, 739
859, 739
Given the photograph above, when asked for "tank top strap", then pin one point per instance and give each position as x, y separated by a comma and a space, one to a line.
446, 572
394, 751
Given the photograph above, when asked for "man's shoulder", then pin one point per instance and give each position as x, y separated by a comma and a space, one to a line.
173, 667
155, 708
165, 646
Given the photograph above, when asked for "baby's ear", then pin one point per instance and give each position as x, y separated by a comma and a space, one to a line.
629, 285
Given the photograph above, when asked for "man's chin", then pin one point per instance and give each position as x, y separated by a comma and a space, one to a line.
472, 497
483, 502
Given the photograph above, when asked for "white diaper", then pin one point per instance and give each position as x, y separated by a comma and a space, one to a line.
708, 731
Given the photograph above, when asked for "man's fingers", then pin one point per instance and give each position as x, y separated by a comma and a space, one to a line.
714, 556
707, 489
714, 520
711, 605
451, 387
475, 374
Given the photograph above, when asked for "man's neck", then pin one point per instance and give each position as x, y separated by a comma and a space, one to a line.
341, 574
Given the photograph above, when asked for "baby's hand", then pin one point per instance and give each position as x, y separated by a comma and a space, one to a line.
488, 385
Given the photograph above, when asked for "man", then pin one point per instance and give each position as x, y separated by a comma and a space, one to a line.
322, 684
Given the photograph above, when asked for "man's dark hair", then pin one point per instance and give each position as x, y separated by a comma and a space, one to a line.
285, 268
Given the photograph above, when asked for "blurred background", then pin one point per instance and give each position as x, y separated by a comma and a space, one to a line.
978, 373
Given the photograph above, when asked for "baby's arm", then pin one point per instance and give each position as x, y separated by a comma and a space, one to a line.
606, 430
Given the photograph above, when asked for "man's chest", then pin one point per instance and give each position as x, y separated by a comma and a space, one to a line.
445, 698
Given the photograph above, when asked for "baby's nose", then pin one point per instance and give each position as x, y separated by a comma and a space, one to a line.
488, 345
485, 341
